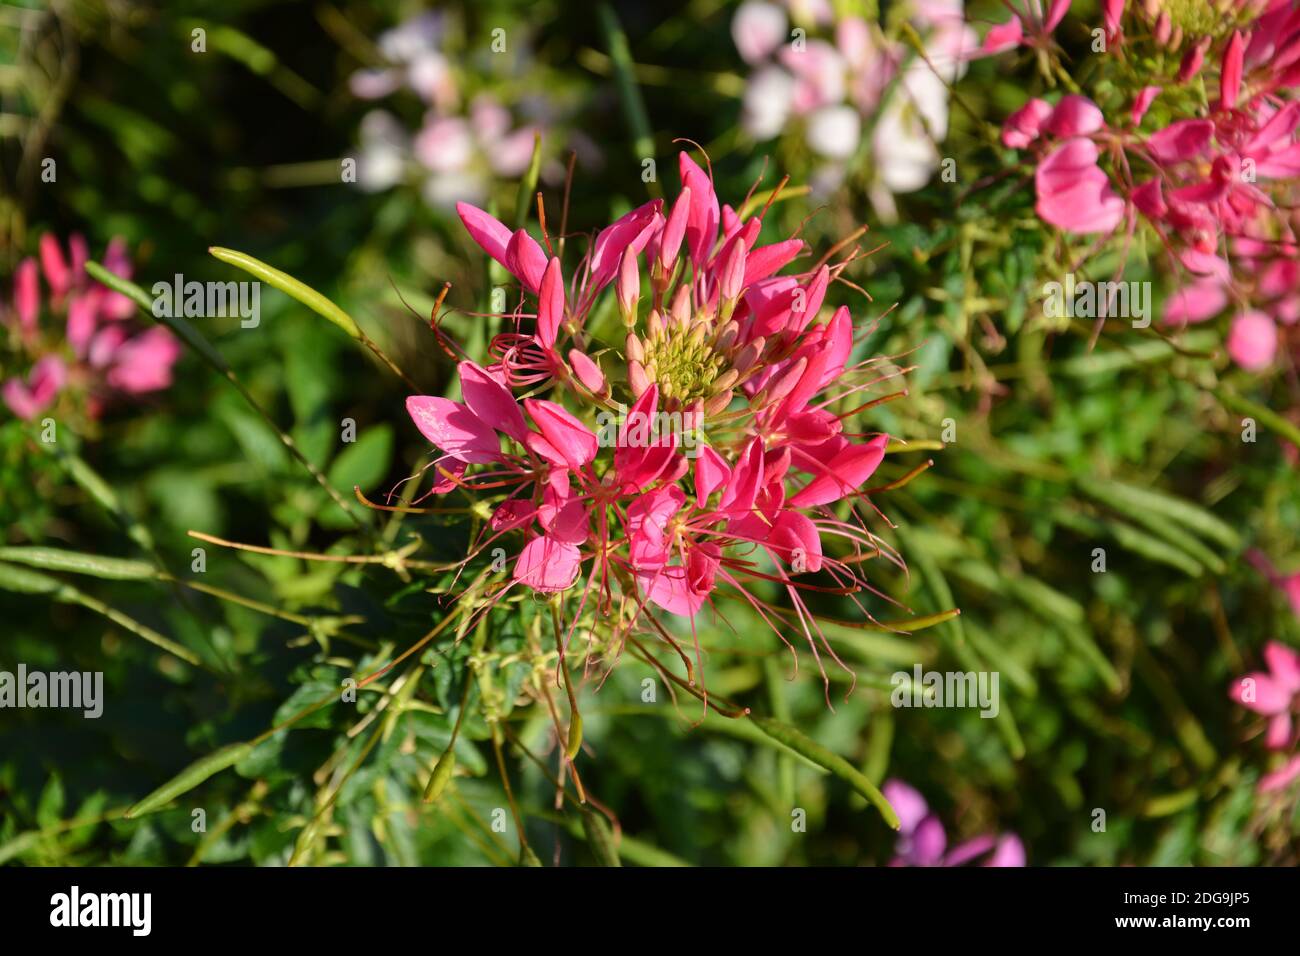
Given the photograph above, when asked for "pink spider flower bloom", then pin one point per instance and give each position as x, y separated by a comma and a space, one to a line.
922, 840
1274, 694
100, 353
707, 440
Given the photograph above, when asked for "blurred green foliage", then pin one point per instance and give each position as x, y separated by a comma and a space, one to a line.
1045, 448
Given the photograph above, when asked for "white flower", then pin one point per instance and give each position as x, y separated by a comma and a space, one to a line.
758, 28
834, 131
769, 95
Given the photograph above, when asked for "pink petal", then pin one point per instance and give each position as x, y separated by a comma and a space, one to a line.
794, 538
674, 230
1146, 96
454, 428
711, 473
928, 842
1197, 302
1008, 852
702, 227
550, 304
768, 260
1074, 116
842, 475
55, 268
968, 850
1055, 14
144, 363
1270, 696
1278, 733
632, 231
526, 260
587, 371
1073, 192
519, 254
491, 402
27, 294
83, 313
1280, 778
1230, 78
115, 305
1284, 664
1180, 141
746, 480
564, 434
548, 565
1252, 341
908, 804
1024, 125
1002, 37
491, 234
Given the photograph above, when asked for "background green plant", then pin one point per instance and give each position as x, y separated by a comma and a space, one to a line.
1114, 684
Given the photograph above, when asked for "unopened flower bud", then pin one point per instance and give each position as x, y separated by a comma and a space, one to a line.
680, 310
654, 324
635, 350
629, 285
1164, 28
727, 379
732, 278
717, 404
749, 355
637, 378
727, 337
1192, 61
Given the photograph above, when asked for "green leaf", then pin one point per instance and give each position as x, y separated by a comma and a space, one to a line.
364, 463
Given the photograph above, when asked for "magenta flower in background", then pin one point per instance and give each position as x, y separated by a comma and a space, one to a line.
922, 840
1274, 694
99, 354
1218, 189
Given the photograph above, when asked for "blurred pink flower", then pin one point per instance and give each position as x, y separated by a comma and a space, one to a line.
922, 840
98, 352
1273, 694
1252, 340
1073, 192
46, 379
758, 28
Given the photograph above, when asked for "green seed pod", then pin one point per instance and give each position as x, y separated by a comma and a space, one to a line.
441, 776
575, 736
27, 582
599, 838
76, 562
191, 777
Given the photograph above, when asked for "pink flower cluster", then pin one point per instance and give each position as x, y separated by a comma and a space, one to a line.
1219, 190
99, 352
922, 840
677, 460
